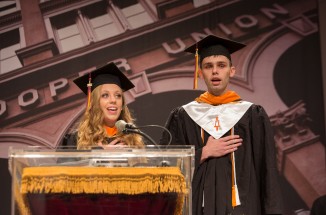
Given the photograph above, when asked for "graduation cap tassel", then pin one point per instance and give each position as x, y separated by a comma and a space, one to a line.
196, 69
89, 91
235, 191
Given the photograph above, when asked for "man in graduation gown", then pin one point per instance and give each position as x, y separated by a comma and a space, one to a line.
235, 163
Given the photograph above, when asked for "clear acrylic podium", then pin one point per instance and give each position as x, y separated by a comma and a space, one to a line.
138, 181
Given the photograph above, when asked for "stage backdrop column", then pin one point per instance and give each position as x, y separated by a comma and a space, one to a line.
38, 45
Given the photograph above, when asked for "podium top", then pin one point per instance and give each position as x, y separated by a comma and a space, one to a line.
127, 152
116, 157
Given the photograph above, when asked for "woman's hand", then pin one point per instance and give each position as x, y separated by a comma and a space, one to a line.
220, 147
116, 143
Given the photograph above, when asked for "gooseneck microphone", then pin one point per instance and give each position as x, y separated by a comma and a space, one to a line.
125, 128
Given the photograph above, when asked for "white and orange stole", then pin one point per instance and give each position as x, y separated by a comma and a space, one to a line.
217, 120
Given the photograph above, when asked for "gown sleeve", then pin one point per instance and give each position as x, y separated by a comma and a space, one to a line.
69, 141
174, 125
184, 131
265, 161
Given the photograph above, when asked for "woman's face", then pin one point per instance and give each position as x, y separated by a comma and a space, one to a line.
111, 102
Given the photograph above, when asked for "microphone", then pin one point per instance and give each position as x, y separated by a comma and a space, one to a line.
122, 125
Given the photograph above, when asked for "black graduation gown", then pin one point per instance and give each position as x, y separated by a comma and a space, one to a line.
319, 206
70, 141
257, 175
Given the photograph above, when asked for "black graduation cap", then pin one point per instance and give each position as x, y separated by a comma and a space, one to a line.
108, 74
212, 45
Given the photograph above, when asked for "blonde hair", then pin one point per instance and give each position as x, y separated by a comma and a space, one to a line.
91, 130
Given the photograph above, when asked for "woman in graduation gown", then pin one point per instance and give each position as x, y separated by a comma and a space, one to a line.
98, 128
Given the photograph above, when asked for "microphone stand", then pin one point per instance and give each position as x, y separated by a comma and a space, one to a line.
128, 130
158, 126
164, 163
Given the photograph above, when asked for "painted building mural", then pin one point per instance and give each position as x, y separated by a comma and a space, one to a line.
46, 44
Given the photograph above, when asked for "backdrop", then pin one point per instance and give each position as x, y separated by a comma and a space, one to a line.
46, 44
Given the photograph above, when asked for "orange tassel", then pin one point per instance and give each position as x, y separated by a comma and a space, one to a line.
196, 69
202, 134
89, 91
235, 192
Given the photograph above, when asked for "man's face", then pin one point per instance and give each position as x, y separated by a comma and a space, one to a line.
217, 71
